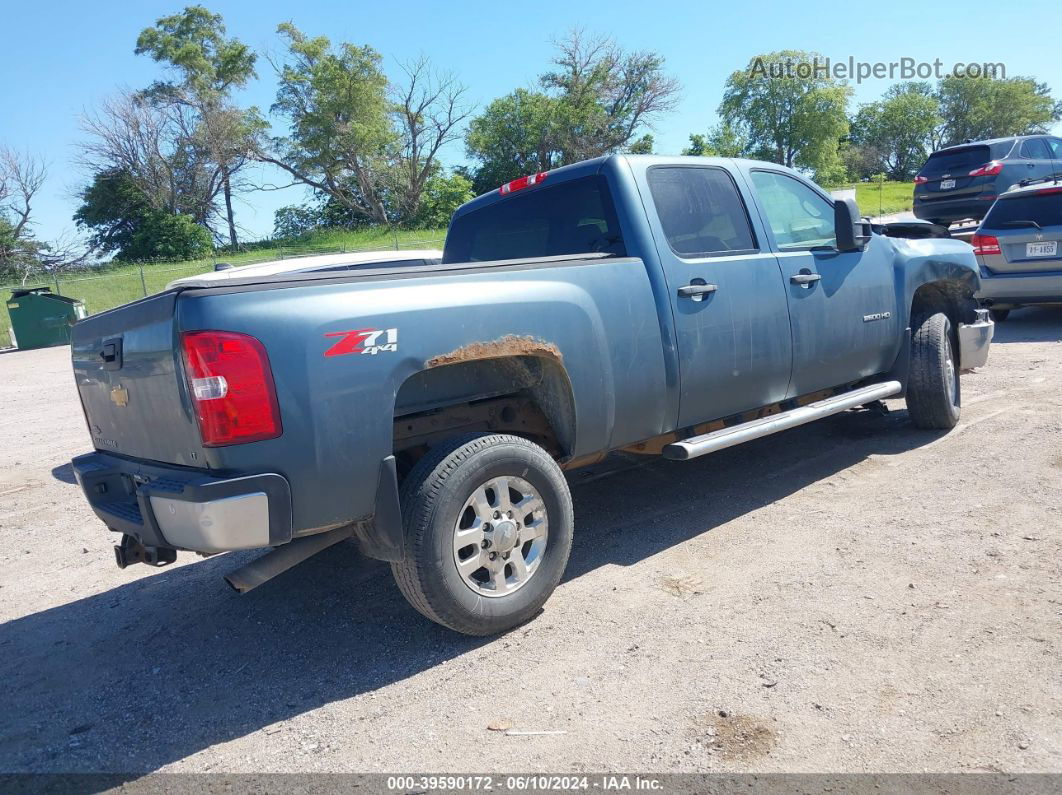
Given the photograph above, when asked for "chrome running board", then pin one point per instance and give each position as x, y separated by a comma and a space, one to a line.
697, 446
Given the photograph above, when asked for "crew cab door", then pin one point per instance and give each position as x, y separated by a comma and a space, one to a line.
727, 294
842, 305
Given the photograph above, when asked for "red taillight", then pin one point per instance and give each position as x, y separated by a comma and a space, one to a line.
231, 386
988, 169
920, 180
985, 244
522, 182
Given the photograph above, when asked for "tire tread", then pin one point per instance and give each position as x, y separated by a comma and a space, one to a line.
927, 402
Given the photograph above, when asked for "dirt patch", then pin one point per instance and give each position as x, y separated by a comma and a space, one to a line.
509, 345
682, 585
731, 736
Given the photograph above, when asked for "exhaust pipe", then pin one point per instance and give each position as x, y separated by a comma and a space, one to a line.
263, 569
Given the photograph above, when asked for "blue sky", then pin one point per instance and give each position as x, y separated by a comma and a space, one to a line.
69, 55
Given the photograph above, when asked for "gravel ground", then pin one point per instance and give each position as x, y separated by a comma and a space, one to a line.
853, 595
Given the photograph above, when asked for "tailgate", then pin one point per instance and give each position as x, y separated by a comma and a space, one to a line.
128, 375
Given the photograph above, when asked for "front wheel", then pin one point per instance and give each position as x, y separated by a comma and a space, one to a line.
488, 522
933, 392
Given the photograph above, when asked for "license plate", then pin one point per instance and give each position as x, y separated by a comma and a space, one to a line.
1041, 249
947, 184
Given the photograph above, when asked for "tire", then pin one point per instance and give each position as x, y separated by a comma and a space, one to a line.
999, 315
933, 389
455, 492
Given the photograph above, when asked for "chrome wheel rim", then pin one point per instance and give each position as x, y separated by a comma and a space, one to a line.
951, 376
500, 536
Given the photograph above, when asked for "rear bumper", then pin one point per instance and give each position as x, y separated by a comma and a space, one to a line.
1022, 288
952, 210
975, 340
174, 508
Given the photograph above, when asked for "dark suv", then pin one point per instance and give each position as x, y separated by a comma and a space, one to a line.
962, 181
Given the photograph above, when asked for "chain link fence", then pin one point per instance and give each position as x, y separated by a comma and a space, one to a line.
107, 286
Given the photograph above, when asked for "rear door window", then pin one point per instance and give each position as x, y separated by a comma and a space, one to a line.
573, 217
1043, 209
799, 217
1035, 149
956, 161
701, 211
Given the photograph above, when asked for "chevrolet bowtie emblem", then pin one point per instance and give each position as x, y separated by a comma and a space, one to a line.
120, 396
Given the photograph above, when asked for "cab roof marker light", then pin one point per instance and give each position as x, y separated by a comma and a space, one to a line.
522, 182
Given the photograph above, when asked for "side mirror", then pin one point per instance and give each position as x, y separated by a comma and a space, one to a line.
851, 231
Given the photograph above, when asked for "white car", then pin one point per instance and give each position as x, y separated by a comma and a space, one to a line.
317, 262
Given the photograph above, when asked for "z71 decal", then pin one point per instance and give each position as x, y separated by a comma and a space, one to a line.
366, 340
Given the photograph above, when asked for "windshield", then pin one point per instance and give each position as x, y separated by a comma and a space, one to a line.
574, 217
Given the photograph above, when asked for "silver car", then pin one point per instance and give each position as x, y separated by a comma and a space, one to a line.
1019, 248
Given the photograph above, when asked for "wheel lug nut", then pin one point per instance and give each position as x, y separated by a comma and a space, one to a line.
493, 555
486, 543
497, 514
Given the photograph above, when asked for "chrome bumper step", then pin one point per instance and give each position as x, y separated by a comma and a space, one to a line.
697, 446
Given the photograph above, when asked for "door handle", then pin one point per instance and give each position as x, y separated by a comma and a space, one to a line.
697, 291
805, 280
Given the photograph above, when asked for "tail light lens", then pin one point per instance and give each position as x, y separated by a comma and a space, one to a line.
988, 169
522, 182
985, 244
920, 180
232, 387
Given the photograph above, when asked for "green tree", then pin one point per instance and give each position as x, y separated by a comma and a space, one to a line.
722, 140
980, 108
597, 99
168, 237
898, 129
442, 196
514, 136
787, 112
356, 138
208, 67
121, 220
295, 220
643, 146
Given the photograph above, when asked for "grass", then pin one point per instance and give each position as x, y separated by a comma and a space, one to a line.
113, 285
881, 198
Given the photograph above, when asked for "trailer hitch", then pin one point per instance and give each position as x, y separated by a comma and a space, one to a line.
131, 551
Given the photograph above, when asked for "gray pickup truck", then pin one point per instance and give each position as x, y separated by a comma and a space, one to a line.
428, 409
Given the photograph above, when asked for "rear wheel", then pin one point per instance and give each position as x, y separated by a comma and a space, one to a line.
933, 389
488, 522
999, 315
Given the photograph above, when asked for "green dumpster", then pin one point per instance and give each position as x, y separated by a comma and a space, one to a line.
40, 318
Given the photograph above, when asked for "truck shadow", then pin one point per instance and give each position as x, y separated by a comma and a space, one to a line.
158, 669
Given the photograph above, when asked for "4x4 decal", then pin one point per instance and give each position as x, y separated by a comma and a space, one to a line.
366, 340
